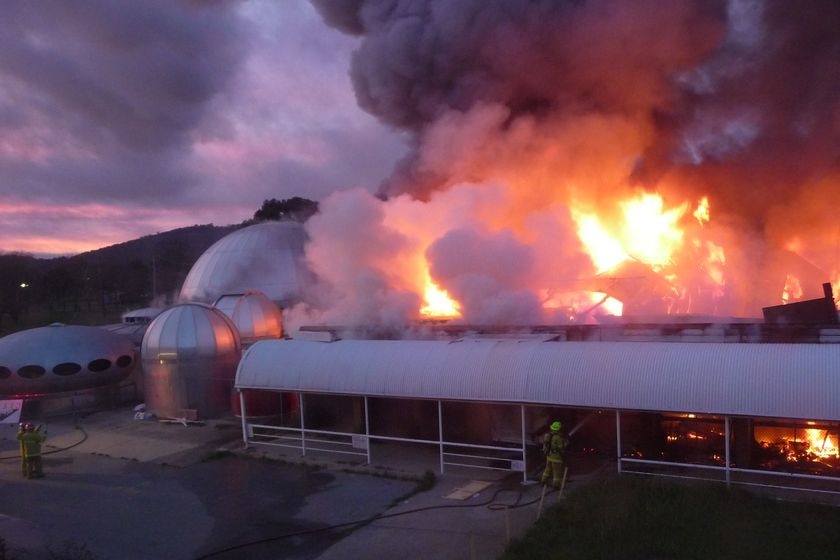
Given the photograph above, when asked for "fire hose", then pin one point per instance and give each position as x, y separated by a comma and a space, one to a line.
489, 504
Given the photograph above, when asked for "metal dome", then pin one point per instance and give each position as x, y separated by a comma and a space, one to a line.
256, 317
62, 358
189, 355
190, 330
267, 257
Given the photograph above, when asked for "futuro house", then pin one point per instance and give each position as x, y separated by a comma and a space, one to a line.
61, 358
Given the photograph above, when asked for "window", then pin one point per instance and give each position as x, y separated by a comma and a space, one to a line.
31, 371
67, 368
98, 365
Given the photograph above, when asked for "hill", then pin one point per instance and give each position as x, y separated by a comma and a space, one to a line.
95, 287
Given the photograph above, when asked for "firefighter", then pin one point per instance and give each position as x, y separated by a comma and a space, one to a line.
554, 447
32, 439
24, 468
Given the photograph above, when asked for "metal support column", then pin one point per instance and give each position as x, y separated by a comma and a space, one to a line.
618, 439
727, 433
244, 416
440, 434
524, 459
302, 427
367, 430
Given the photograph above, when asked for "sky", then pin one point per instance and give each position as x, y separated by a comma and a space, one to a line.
120, 119
512, 153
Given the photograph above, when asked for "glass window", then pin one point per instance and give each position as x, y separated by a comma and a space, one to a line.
98, 365
67, 368
31, 371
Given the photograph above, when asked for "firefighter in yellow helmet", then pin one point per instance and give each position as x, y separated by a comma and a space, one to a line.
554, 447
31, 439
24, 468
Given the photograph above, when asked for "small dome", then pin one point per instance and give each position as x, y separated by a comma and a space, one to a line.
267, 257
257, 317
189, 355
190, 330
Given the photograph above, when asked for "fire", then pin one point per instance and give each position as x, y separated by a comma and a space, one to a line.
800, 445
821, 444
647, 232
437, 302
604, 250
702, 211
792, 289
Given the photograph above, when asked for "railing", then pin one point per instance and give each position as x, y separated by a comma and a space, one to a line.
454, 454
733, 475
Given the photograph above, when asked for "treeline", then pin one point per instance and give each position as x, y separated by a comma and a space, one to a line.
98, 286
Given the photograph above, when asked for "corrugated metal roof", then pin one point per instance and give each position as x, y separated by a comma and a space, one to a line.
769, 380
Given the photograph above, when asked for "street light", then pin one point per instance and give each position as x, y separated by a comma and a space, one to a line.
24, 285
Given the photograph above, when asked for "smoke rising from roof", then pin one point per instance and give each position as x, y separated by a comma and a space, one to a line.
583, 103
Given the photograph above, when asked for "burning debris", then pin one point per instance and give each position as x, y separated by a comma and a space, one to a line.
568, 159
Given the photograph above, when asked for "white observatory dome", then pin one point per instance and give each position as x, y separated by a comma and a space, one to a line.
267, 257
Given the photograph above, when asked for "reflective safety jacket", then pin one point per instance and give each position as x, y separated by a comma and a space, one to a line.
554, 444
32, 443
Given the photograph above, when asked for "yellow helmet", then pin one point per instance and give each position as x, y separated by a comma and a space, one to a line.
555, 426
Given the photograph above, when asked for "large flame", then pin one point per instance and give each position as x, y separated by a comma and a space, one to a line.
437, 303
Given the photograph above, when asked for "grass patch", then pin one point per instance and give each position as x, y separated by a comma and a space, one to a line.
632, 518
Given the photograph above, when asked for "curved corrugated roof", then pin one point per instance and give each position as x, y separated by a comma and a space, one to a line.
769, 380
267, 257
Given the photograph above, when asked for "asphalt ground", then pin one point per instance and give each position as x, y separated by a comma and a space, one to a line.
119, 488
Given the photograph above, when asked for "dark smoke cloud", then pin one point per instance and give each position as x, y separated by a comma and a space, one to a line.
120, 83
742, 97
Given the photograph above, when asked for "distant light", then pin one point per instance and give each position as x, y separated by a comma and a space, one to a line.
24, 285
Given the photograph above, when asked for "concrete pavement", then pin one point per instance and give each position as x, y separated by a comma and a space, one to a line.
123, 488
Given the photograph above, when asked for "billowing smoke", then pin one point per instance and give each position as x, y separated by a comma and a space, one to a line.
572, 107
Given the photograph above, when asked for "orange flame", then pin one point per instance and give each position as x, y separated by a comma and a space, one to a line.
792, 289
437, 302
647, 232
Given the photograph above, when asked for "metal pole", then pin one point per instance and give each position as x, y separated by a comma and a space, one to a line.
244, 419
302, 427
618, 439
727, 432
440, 434
524, 459
367, 430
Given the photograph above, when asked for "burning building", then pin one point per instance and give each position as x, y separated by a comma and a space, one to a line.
640, 179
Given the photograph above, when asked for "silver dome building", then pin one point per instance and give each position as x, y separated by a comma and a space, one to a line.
256, 317
267, 257
62, 358
189, 355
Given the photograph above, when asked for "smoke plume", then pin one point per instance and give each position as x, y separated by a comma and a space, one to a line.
563, 107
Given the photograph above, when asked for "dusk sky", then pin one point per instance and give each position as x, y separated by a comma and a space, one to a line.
121, 119
513, 153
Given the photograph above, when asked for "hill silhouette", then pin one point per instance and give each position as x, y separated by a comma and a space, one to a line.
97, 286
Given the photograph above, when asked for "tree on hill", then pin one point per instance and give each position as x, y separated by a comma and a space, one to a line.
295, 208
